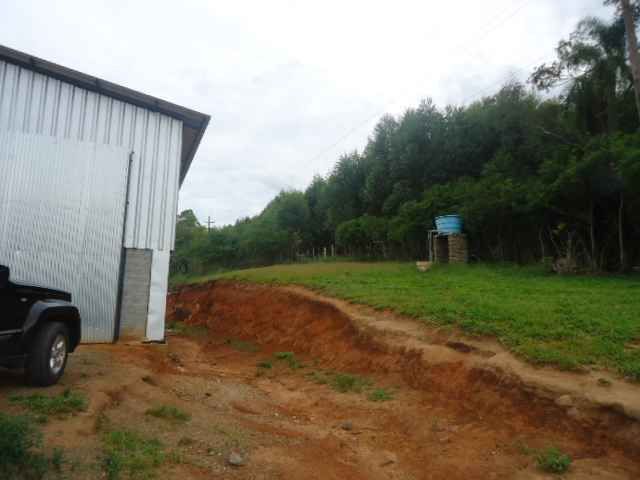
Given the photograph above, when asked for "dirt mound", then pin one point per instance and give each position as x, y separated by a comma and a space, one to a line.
464, 380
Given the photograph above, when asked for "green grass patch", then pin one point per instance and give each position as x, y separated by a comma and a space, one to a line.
349, 383
182, 328
552, 460
567, 321
380, 395
128, 454
345, 382
266, 364
169, 412
320, 378
242, 345
44, 406
289, 358
21, 455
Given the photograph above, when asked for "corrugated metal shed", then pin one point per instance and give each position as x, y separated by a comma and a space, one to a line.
37, 104
48, 111
61, 225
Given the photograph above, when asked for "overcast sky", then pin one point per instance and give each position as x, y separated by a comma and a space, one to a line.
290, 85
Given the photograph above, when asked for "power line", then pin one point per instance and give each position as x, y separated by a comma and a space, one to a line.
381, 112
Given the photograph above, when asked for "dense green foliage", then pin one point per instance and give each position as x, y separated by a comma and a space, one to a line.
568, 321
547, 172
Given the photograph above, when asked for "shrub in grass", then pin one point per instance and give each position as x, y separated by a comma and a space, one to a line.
66, 403
169, 412
552, 460
128, 453
20, 442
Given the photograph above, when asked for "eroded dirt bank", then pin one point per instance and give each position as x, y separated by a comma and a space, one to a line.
491, 405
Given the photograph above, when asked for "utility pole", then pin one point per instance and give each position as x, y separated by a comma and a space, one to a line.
632, 44
209, 223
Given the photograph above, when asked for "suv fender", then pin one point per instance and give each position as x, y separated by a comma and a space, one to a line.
53, 310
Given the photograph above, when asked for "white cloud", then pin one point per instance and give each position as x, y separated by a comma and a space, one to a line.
284, 80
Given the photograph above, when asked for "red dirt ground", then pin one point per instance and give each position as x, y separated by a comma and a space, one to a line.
450, 418
455, 411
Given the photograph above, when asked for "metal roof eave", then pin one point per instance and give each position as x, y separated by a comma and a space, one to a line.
192, 120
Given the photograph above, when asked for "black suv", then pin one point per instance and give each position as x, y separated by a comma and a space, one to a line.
39, 327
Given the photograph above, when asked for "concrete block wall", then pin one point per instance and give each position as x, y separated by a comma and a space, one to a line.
135, 293
458, 248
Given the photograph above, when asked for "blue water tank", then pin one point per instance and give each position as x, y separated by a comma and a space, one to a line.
449, 224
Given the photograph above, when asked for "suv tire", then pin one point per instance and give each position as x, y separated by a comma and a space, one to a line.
48, 354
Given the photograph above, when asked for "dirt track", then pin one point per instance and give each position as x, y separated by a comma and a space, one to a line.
453, 415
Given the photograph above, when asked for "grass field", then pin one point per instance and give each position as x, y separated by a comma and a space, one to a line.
548, 319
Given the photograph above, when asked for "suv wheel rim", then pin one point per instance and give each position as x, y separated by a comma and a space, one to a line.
58, 354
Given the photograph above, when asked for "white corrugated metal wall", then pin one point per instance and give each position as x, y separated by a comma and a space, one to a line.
38, 105
61, 224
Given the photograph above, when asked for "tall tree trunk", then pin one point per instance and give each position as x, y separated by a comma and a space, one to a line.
592, 235
543, 251
632, 44
623, 259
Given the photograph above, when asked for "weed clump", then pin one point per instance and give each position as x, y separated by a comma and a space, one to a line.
265, 364
182, 328
20, 443
345, 382
242, 345
288, 357
380, 395
58, 405
169, 412
127, 452
552, 460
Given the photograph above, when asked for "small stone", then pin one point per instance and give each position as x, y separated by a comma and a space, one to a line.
346, 425
564, 401
235, 459
603, 382
574, 413
174, 358
388, 458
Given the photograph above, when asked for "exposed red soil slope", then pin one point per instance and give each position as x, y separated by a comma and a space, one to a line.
492, 409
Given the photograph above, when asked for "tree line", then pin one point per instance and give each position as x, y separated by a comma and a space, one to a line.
548, 170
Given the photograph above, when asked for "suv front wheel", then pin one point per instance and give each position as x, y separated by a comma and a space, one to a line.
48, 354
